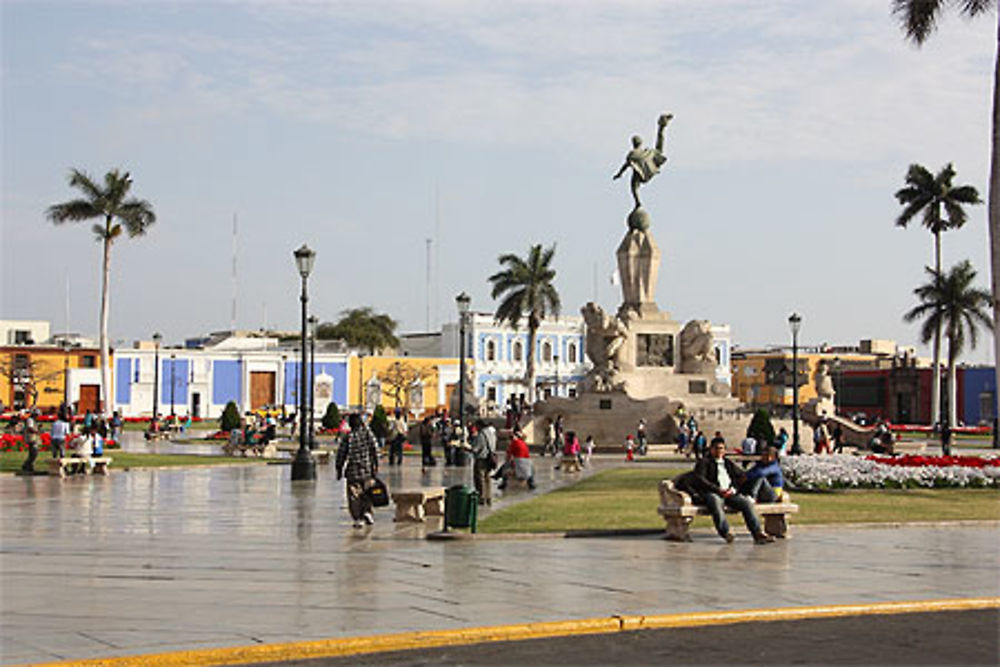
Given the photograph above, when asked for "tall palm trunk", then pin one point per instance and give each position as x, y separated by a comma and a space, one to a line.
105, 396
952, 387
994, 226
530, 370
936, 366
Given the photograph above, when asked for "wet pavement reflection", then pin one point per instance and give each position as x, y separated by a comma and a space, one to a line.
165, 559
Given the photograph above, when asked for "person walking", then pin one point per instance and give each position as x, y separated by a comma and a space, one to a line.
397, 436
640, 437
426, 434
59, 434
484, 448
357, 463
821, 438
29, 431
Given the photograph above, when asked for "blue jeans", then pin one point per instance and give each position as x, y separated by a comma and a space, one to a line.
715, 505
759, 490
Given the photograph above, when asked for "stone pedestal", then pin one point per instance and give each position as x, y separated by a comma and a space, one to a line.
639, 267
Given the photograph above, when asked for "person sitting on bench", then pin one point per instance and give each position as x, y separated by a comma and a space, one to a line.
716, 479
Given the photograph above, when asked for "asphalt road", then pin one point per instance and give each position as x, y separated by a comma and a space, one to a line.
940, 638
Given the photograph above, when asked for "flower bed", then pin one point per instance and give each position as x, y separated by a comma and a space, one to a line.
845, 471
10, 442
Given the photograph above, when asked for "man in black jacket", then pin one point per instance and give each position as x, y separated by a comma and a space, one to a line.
716, 479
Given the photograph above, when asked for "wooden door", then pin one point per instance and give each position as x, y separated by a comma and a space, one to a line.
261, 389
89, 398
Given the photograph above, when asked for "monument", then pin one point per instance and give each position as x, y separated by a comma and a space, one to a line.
645, 364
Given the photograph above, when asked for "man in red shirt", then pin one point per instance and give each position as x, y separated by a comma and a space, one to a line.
518, 461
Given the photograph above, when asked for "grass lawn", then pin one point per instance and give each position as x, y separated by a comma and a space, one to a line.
627, 498
11, 461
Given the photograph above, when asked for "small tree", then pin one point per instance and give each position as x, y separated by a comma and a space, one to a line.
761, 428
230, 419
380, 422
331, 419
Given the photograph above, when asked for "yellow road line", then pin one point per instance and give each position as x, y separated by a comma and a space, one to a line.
326, 648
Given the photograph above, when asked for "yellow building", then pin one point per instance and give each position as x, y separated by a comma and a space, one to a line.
418, 384
44, 376
763, 378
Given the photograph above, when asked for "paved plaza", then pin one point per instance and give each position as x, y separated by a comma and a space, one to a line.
158, 560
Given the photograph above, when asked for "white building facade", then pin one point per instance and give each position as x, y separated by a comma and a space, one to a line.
499, 356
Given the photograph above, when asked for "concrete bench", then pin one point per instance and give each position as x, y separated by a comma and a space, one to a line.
415, 504
268, 451
570, 464
678, 509
68, 465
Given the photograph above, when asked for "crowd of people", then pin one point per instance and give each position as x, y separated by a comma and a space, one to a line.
79, 437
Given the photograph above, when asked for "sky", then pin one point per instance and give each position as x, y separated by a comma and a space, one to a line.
376, 131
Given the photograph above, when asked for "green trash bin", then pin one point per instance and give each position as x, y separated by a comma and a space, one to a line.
460, 505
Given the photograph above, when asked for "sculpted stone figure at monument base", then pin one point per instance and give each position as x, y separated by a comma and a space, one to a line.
823, 381
697, 347
605, 336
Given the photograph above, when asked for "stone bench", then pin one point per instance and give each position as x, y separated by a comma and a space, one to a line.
68, 465
268, 451
415, 504
678, 509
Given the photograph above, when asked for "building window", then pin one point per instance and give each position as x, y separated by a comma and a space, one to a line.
571, 353
491, 350
22, 337
491, 394
88, 361
518, 351
546, 351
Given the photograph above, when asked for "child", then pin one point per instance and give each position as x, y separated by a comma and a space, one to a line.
629, 448
588, 446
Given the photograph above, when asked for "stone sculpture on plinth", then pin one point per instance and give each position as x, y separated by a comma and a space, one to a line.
645, 364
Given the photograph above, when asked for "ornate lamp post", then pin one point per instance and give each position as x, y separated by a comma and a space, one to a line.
173, 363
795, 322
555, 360
313, 326
304, 465
462, 300
156, 374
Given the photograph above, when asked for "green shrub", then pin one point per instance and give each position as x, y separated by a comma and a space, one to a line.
761, 428
380, 422
331, 419
230, 417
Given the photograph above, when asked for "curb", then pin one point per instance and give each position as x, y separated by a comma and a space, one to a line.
329, 648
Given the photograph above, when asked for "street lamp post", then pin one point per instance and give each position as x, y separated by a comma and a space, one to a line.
795, 322
555, 360
462, 300
156, 374
304, 465
313, 325
173, 362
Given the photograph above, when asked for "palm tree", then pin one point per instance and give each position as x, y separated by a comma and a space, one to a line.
941, 206
919, 19
110, 203
526, 288
951, 302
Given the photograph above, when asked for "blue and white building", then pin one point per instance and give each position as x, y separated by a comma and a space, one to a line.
202, 377
499, 356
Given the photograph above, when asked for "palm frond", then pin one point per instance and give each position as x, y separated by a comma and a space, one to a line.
72, 211
918, 18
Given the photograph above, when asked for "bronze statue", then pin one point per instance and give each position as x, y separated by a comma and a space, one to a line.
645, 162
